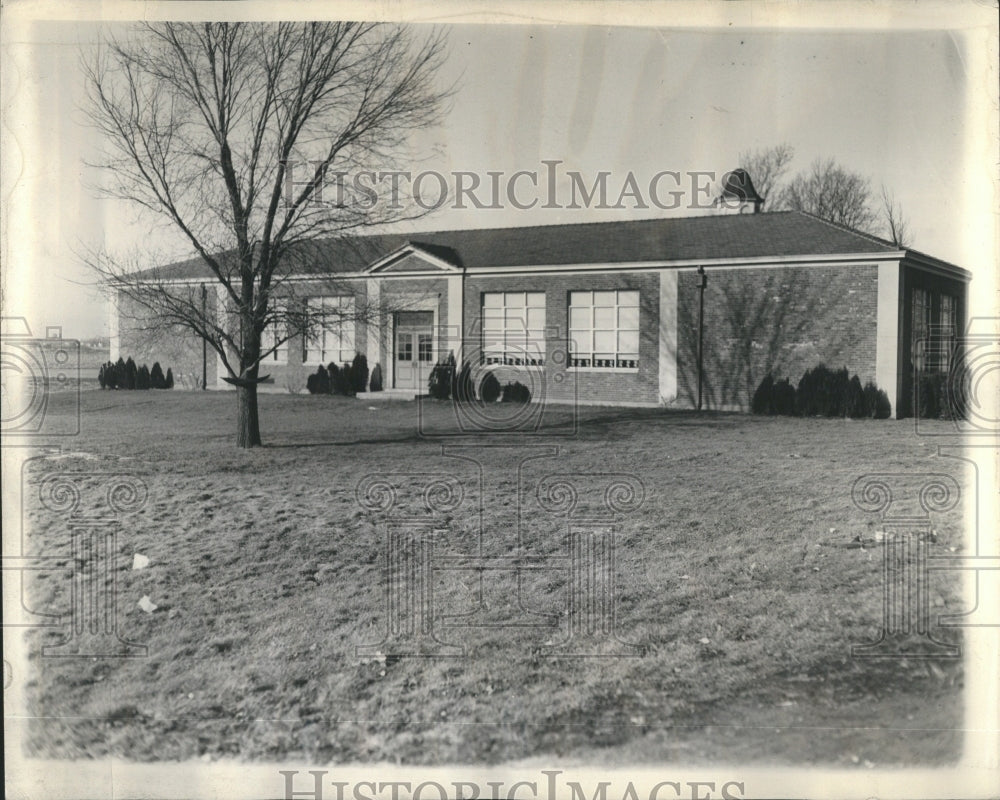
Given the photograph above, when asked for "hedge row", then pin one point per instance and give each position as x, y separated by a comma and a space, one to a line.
447, 382
347, 380
124, 374
821, 392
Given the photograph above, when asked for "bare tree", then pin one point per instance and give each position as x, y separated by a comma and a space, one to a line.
832, 192
230, 132
897, 228
767, 168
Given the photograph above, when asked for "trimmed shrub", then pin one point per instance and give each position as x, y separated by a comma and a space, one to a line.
375, 382
515, 392
855, 400
462, 390
142, 380
168, 382
319, 381
823, 392
877, 405
761, 403
100, 377
933, 401
359, 373
489, 389
156, 379
783, 398
119, 369
774, 397
340, 379
131, 373
442, 379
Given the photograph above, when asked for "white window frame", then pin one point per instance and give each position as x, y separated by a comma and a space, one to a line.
595, 319
268, 336
329, 341
513, 329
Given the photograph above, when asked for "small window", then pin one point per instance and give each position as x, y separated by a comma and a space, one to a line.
604, 329
425, 347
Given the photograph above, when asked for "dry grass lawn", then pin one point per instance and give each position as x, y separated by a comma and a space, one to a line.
739, 579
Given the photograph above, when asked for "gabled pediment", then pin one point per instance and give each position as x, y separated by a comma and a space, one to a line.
412, 257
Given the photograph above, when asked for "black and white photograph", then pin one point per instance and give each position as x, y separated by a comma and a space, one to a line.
526, 401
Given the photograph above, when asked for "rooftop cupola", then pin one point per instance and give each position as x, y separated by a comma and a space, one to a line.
738, 194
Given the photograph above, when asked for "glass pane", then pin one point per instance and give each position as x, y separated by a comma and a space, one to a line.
628, 342
404, 347
536, 317
514, 299
581, 339
514, 319
424, 346
604, 298
580, 298
492, 300
579, 318
628, 297
604, 318
604, 340
536, 299
628, 318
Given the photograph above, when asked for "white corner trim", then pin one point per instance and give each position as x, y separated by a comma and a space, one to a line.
887, 331
667, 339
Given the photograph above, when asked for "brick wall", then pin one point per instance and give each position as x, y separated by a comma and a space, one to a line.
595, 386
778, 320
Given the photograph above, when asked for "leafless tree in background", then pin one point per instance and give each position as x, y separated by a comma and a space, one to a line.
834, 193
767, 168
231, 132
897, 228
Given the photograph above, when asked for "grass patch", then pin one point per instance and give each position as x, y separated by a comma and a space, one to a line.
738, 579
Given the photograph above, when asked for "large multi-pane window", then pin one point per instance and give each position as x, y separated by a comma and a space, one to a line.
604, 329
275, 332
934, 321
331, 330
921, 327
947, 320
514, 328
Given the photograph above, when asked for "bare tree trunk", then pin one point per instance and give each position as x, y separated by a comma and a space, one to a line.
248, 420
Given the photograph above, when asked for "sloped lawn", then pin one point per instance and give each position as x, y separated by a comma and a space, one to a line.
742, 581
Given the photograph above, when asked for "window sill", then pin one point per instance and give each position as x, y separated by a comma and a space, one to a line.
619, 370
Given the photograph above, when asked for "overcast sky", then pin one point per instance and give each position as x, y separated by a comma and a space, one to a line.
904, 108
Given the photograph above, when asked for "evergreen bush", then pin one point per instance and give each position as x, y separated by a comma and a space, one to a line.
375, 383
168, 382
142, 379
156, 379
131, 372
489, 389
442, 378
516, 392
359, 373
761, 403
783, 398
855, 399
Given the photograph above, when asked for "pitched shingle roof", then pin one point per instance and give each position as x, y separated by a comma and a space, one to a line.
733, 236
